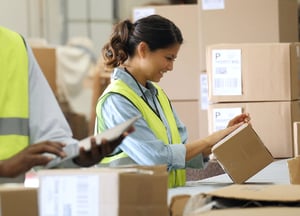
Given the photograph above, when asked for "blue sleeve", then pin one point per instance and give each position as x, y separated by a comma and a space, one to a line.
142, 145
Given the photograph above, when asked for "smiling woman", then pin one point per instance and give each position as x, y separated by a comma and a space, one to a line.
140, 53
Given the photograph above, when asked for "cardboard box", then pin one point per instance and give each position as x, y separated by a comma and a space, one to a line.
178, 203
296, 138
253, 72
16, 200
104, 191
242, 154
294, 170
273, 121
255, 21
246, 200
46, 58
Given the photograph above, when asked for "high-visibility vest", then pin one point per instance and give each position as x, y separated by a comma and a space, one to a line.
14, 108
177, 177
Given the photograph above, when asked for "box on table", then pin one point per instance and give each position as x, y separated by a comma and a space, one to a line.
253, 72
294, 170
16, 200
104, 191
251, 199
46, 58
242, 154
273, 121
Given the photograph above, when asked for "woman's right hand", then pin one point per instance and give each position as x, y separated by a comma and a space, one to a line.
215, 137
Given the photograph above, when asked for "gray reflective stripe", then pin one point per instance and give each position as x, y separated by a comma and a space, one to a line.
18, 126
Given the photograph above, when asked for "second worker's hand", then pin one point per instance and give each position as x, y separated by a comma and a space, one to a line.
98, 152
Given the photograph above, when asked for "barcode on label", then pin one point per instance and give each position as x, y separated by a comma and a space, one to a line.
229, 83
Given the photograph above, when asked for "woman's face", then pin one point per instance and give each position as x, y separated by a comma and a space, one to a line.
156, 63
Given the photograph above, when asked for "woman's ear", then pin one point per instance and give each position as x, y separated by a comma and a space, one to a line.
142, 49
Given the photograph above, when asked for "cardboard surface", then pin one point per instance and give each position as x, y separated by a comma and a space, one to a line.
296, 138
294, 170
273, 121
252, 21
263, 71
46, 58
242, 154
16, 200
242, 199
136, 190
177, 204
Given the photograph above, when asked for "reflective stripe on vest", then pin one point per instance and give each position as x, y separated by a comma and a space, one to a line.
176, 177
14, 111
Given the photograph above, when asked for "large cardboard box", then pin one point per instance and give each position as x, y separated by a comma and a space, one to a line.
16, 200
46, 58
104, 191
246, 200
273, 121
253, 72
255, 21
242, 154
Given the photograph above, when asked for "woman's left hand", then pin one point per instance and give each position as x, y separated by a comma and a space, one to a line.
244, 117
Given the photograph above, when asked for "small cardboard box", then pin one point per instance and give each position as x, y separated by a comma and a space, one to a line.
242, 154
275, 130
246, 200
16, 200
104, 191
253, 72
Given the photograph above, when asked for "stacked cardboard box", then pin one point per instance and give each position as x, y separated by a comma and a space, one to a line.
136, 190
261, 79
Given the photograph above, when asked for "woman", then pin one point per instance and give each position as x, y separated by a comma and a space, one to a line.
140, 54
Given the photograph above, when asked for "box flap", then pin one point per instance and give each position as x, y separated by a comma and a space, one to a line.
285, 193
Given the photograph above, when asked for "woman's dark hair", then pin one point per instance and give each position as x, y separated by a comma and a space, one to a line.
155, 30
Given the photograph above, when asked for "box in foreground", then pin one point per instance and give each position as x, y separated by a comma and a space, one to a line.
104, 191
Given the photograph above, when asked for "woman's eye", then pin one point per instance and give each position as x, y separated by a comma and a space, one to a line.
170, 58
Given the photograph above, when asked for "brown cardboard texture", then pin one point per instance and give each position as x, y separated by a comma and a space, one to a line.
294, 170
242, 154
257, 72
252, 21
296, 138
46, 58
106, 191
273, 121
178, 204
16, 200
247, 199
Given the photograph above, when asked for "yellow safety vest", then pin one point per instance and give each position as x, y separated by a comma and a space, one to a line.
176, 177
14, 123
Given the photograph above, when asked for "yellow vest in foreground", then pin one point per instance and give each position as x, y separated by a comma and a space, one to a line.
14, 113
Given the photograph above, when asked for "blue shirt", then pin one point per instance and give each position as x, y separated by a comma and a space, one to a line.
142, 145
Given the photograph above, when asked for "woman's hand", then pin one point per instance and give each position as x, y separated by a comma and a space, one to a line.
215, 137
244, 117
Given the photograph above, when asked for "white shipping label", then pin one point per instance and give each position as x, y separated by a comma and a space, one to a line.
226, 72
213, 4
221, 117
203, 91
73, 195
